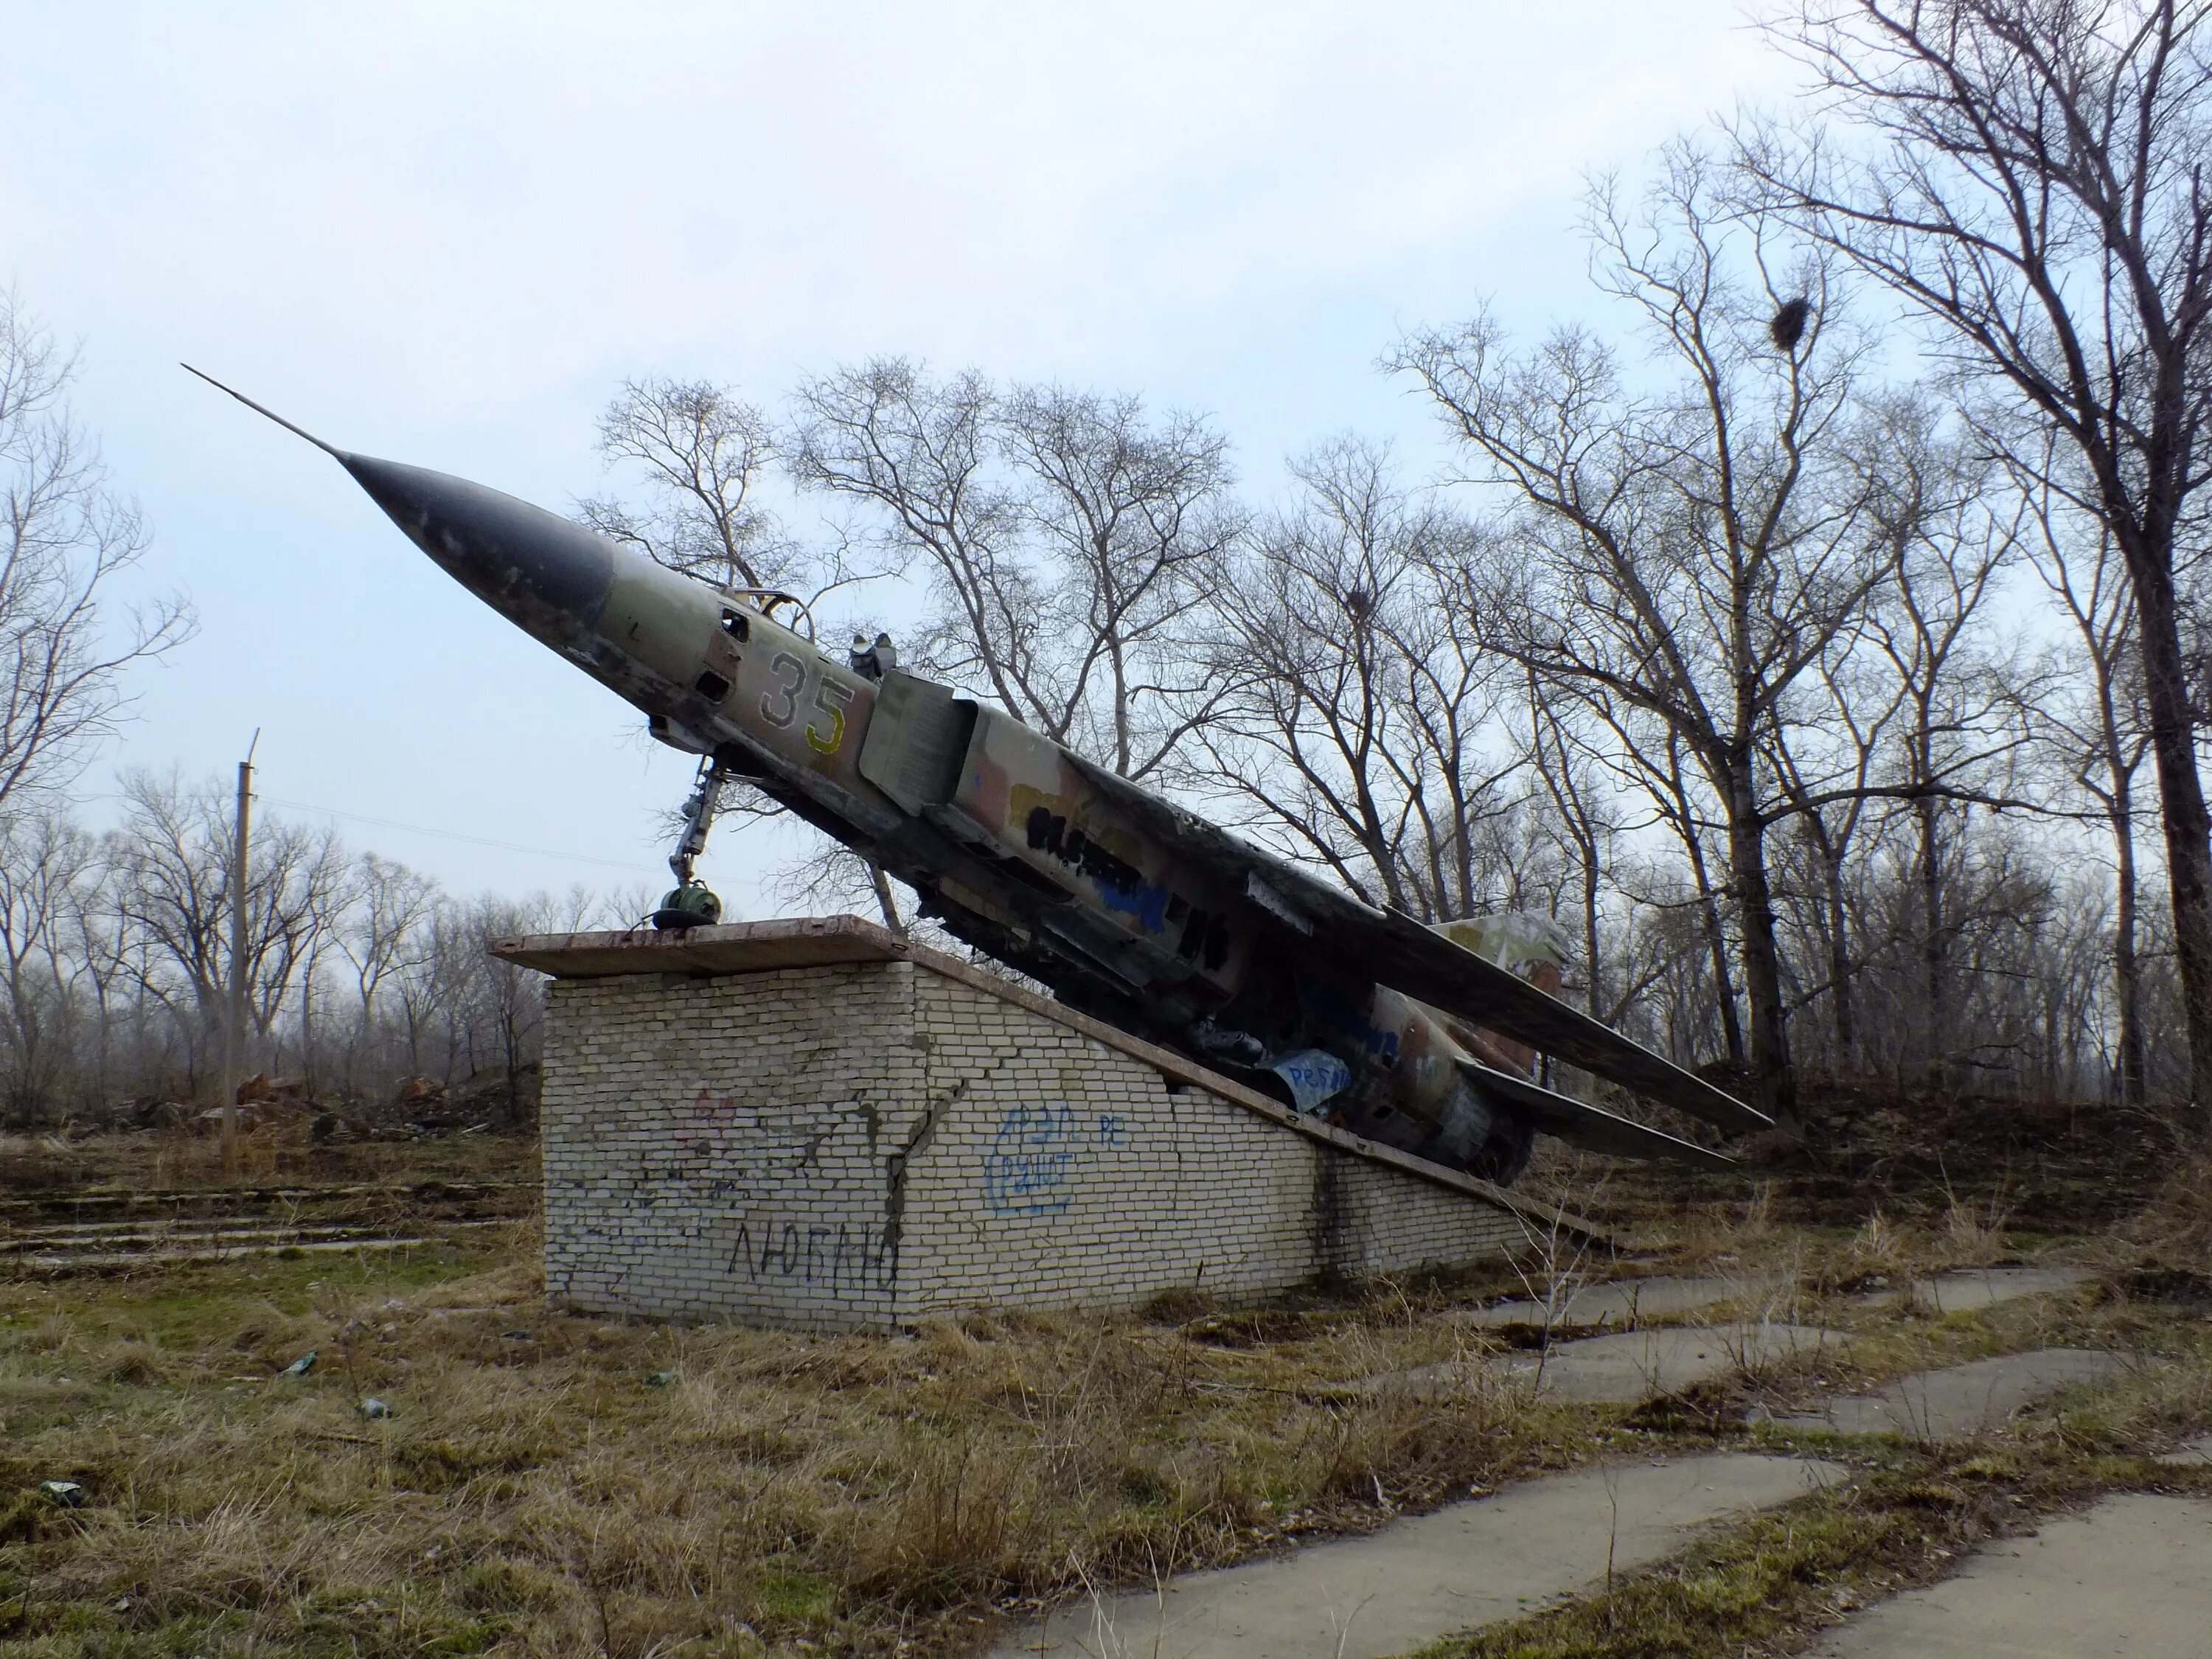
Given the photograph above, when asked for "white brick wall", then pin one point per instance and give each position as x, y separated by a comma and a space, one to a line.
860, 1144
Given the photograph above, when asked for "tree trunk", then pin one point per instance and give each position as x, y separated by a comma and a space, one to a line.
1844, 1010
307, 1027
1935, 949
2127, 974
1842, 998
885, 901
1595, 960
1773, 1083
1716, 945
2188, 826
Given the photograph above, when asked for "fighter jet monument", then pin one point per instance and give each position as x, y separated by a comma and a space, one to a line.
1131, 909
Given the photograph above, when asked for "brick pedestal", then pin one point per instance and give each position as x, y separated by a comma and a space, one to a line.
815, 1124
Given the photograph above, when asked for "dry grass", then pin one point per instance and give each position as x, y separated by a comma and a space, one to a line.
533, 1489
2174, 1228
568, 1485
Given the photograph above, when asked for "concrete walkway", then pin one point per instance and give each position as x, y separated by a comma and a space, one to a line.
1472, 1564
1974, 1288
1666, 1295
1960, 1402
1626, 1368
1624, 1301
1630, 1367
2195, 1454
2129, 1577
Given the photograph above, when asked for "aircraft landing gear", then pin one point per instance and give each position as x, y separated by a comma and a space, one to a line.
693, 903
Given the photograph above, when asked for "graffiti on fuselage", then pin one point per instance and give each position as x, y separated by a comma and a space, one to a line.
1150, 904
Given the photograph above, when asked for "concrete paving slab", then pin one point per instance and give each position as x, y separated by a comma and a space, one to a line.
1624, 1368
1474, 1564
1971, 1288
1960, 1402
2195, 1454
2126, 1577
1624, 1301
1630, 1367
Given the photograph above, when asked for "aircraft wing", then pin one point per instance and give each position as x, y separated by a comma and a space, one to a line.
1590, 1127
1408, 956
1393, 949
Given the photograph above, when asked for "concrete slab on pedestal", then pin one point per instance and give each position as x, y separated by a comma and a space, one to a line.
814, 1123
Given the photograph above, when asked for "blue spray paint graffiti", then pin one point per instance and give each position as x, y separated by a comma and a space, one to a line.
1031, 1163
1313, 1075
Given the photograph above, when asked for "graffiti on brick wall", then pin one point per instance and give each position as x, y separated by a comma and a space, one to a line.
722, 1131
1030, 1168
813, 1253
1036, 1155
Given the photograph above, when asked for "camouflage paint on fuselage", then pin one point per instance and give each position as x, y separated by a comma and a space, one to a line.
1019, 790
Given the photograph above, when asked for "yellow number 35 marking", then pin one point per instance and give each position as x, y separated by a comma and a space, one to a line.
780, 706
831, 699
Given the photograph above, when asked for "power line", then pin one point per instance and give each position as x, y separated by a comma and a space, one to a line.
447, 835
411, 828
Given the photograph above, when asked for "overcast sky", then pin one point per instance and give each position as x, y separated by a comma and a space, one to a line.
443, 233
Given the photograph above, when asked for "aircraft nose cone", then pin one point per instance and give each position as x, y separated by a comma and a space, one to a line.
537, 570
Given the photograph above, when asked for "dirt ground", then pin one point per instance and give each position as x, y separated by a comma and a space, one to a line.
458, 1470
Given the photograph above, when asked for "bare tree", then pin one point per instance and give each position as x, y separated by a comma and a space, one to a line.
1655, 764
44, 860
2088, 714
702, 450
508, 1001
104, 955
1585, 820
1688, 551
433, 997
1353, 722
65, 537
1068, 536
2030, 176
1861, 704
1925, 619
172, 866
1134, 517
380, 934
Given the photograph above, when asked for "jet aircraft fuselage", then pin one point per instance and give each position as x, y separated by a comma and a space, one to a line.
1128, 907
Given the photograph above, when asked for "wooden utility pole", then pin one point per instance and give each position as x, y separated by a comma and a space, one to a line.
234, 1017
